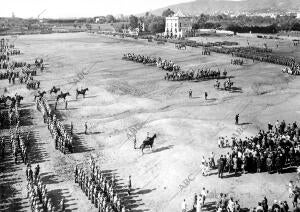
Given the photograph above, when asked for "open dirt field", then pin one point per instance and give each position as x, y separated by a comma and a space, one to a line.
124, 95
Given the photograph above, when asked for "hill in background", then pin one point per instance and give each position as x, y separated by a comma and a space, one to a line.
220, 6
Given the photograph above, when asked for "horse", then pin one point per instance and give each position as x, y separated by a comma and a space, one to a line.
180, 46
39, 95
62, 96
148, 142
54, 90
82, 91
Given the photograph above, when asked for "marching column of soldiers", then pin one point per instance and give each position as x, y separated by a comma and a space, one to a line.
100, 190
37, 192
62, 139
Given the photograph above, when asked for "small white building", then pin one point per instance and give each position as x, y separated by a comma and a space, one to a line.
179, 25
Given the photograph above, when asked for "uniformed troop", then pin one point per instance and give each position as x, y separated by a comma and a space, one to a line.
63, 141
260, 54
100, 190
37, 192
19, 146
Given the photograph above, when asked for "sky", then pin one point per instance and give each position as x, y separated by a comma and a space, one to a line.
79, 8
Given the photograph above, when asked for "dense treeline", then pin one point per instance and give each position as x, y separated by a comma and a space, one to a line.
243, 23
254, 29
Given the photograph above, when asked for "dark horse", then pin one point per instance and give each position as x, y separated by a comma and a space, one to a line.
54, 90
62, 96
39, 95
82, 91
148, 142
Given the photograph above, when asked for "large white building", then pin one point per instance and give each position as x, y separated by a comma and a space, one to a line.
179, 25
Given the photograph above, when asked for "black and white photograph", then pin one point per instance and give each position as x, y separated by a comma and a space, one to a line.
150, 106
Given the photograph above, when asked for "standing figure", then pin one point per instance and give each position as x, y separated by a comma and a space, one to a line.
237, 119
190, 93
129, 185
71, 128
85, 128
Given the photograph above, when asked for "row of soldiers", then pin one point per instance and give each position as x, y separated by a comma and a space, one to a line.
99, 189
4, 64
62, 139
4, 57
37, 192
7, 73
33, 84
13, 52
2, 147
19, 145
259, 54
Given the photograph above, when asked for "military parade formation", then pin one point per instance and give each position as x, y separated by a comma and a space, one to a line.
99, 189
271, 151
63, 140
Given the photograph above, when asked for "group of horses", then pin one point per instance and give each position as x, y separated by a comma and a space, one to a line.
163, 64
180, 46
237, 62
227, 84
290, 71
63, 95
204, 74
206, 52
140, 59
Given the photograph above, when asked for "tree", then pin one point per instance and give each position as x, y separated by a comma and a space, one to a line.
110, 19
133, 21
119, 26
168, 12
157, 25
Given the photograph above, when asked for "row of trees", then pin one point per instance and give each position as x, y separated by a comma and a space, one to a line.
243, 23
149, 23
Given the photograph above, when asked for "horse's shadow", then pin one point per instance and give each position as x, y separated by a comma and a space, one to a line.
236, 90
162, 149
245, 123
87, 97
212, 99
